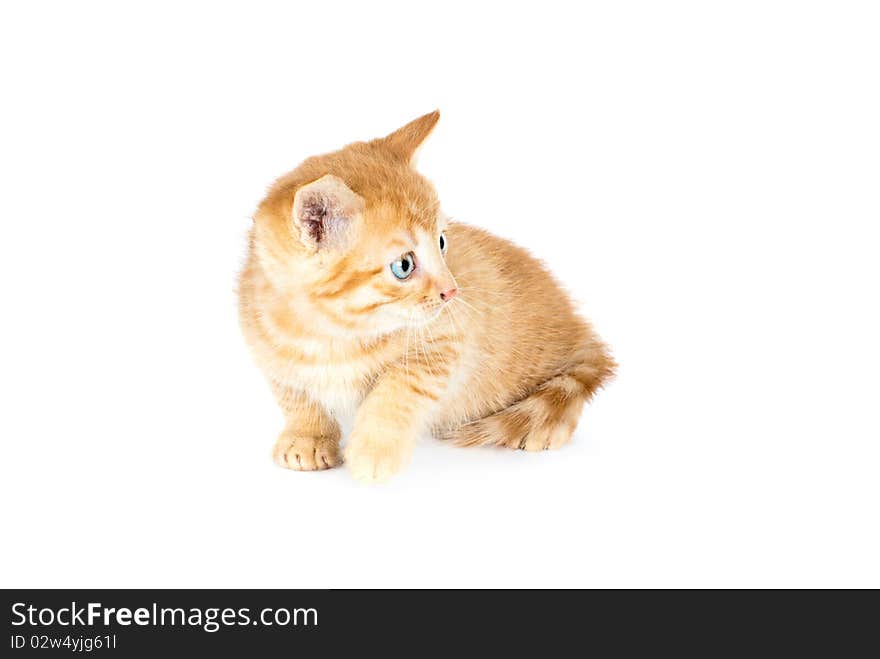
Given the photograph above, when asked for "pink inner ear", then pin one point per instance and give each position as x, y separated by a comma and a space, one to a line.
314, 215
323, 208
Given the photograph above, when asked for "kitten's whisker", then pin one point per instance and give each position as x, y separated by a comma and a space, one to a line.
433, 344
485, 306
406, 350
467, 312
476, 314
482, 291
455, 314
448, 309
416, 344
421, 344
430, 363
468, 304
430, 333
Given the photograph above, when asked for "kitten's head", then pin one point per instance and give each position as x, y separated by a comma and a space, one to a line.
359, 234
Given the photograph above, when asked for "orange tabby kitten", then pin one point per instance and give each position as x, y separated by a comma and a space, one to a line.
362, 303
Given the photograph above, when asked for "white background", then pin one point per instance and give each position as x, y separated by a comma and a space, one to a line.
702, 176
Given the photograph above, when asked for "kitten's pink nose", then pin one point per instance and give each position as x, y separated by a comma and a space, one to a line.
448, 295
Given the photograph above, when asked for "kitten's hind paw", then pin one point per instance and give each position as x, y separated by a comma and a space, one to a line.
542, 438
306, 453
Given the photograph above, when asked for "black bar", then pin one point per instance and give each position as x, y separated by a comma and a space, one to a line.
268, 623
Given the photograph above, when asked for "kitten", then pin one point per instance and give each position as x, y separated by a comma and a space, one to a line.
363, 304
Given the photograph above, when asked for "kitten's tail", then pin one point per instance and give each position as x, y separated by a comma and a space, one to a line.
546, 418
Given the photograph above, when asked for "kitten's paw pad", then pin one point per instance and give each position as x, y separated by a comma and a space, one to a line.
374, 461
306, 453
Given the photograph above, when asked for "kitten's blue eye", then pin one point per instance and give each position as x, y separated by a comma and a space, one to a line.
443, 242
404, 267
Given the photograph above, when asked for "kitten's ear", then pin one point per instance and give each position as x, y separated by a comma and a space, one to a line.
324, 209
404, 141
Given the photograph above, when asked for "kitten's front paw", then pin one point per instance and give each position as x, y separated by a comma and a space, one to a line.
375, 460
306, 453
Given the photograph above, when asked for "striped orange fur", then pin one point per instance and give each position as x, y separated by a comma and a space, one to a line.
477, 343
